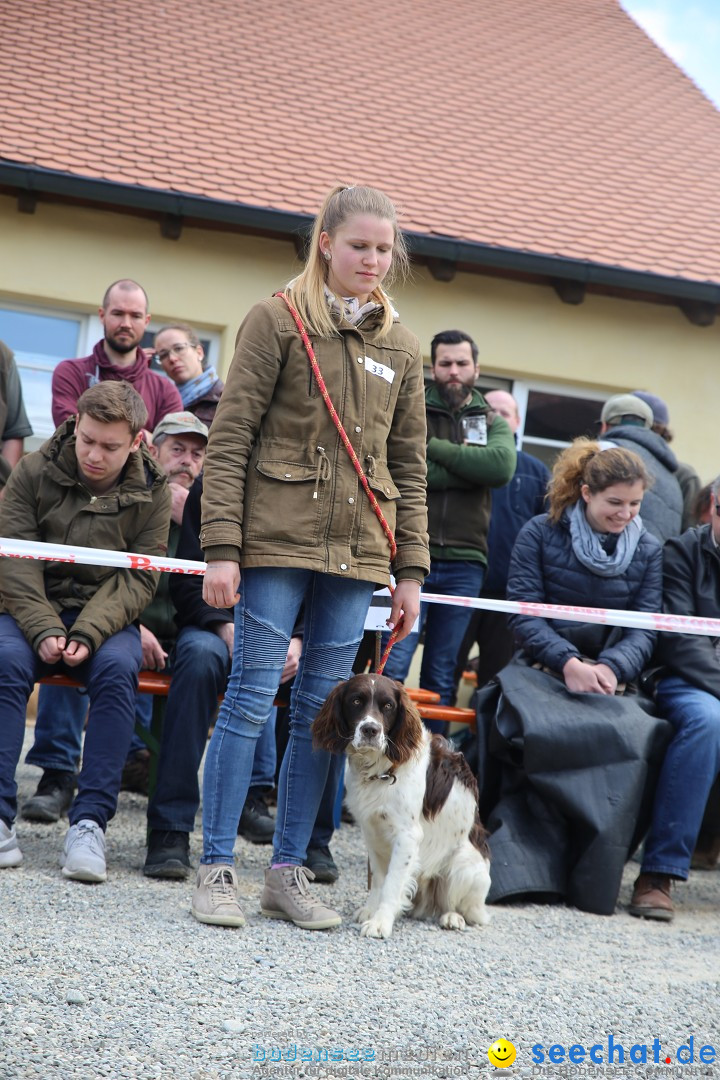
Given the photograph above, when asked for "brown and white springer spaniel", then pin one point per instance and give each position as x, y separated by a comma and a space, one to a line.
415, 800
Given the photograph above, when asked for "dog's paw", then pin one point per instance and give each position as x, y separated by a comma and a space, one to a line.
477, 916
363, 913
452, 920
378, 926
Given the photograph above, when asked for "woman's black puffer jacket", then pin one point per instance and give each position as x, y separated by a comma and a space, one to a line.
544, 569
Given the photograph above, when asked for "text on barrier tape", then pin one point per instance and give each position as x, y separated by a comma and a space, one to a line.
633, 620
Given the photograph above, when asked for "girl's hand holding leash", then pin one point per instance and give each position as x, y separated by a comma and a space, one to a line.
221, 584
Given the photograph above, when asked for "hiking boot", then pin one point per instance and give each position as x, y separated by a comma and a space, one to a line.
168, 855
53, 797
286, 896
83, 857
136, 773
10, 853
215, 899
651, 898
322, 864
256, 825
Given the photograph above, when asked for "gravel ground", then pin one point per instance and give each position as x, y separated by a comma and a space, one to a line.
118, 980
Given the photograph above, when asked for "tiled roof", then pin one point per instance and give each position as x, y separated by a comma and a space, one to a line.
547, 126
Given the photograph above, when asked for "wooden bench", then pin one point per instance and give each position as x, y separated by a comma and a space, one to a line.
157, 683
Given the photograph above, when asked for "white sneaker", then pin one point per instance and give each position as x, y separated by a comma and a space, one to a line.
10, 853
83, 857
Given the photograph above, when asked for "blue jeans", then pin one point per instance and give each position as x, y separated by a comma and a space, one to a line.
692, 761
59, 728
270, 599
445, 628
324, 826
60, 722
265, 760
111, 676
143, 718
199, 667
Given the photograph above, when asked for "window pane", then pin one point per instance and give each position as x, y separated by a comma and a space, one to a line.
39, 343
560, 416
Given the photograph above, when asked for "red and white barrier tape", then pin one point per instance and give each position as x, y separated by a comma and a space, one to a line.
637, 620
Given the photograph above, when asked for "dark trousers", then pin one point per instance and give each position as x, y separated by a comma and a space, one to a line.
199, 667
111, 678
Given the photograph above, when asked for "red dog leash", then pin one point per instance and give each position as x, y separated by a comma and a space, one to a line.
353, 457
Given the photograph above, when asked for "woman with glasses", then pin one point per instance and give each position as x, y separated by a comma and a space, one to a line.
182, 358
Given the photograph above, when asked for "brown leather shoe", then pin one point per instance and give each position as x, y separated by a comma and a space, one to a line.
651, 898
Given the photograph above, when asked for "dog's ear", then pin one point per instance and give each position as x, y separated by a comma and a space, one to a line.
405, 736
328, 728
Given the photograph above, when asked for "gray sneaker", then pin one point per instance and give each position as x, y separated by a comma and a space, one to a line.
215, 899
286, 896
10, 853
83, 857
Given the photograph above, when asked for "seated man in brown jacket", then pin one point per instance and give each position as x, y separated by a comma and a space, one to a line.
93, 484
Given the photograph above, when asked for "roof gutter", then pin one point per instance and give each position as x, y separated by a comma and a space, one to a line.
37, 181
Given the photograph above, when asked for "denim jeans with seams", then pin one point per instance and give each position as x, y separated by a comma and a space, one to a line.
270, 599
691, 763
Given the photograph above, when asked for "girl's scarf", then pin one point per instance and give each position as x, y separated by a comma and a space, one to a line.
588, 548
196, 388
348, 307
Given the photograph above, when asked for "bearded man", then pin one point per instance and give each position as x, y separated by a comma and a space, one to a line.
124, 315
470, 450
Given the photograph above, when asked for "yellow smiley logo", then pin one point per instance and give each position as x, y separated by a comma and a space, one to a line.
501, 1053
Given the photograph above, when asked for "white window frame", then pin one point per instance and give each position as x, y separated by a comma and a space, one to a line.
521, 391
84, 321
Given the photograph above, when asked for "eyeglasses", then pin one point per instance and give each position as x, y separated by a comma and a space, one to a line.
174, 350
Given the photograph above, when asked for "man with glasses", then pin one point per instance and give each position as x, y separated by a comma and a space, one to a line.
182, 358
124, 315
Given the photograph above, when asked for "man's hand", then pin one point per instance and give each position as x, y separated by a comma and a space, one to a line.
50, 649
75, 653
406, 600
226, 631
153, 654
582, 678
292, 661
221, 584
178, 496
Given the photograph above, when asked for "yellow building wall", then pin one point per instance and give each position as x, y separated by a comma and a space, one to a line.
64, 256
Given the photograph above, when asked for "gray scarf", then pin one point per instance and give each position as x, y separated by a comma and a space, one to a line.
588, 548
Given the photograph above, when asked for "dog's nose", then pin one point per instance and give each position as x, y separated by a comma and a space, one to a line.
369, 729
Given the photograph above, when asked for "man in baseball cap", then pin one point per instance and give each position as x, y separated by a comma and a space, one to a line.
686, 475
179, 443
626, 409
626, 420
180, 423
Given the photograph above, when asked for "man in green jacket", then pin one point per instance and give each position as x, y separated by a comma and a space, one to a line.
470, 450
93, 484
14, 426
